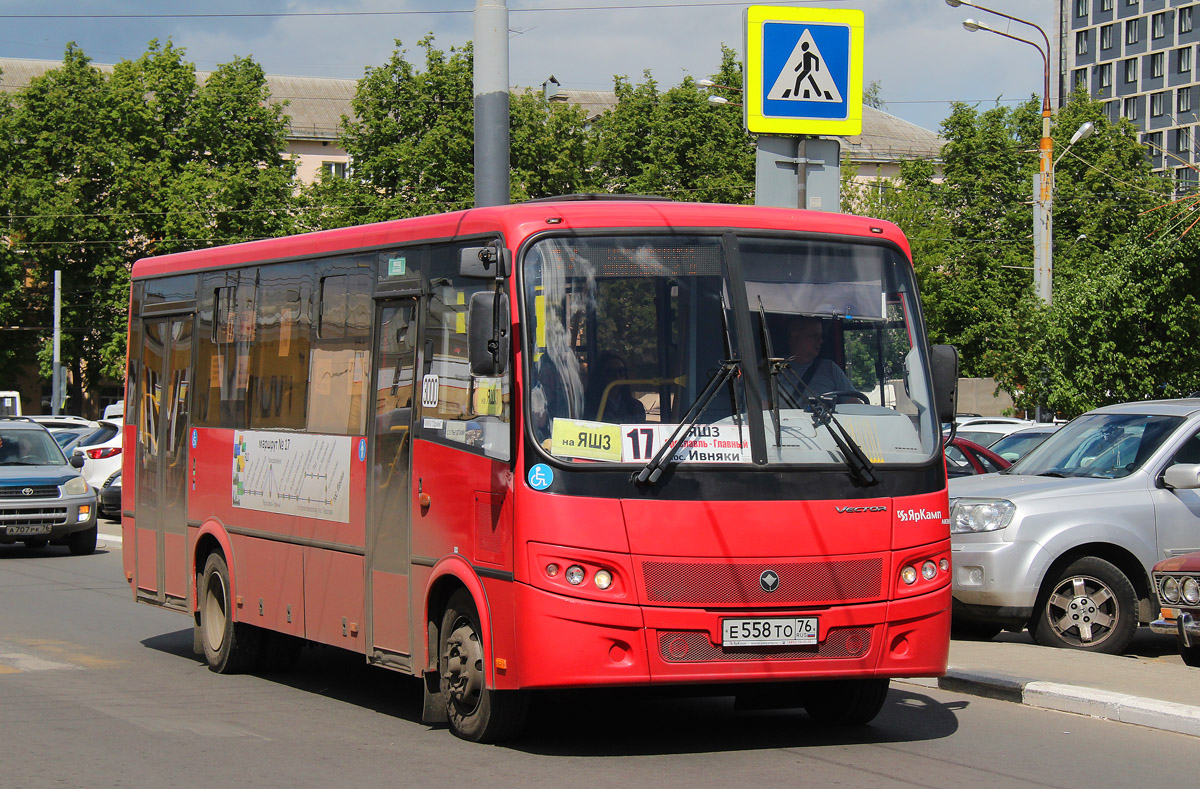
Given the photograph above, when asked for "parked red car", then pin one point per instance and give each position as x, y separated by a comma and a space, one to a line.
964, 458
1177, 581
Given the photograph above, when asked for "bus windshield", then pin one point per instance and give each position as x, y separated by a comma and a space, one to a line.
769, 350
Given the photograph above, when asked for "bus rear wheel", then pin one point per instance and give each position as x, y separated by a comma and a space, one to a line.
845, 702
229, 647
476, 712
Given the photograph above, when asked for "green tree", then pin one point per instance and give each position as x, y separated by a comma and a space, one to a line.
101, 169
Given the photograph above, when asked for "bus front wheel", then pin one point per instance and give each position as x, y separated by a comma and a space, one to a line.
229, 647
476, 712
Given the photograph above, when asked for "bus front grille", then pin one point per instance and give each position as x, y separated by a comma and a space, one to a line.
810, 582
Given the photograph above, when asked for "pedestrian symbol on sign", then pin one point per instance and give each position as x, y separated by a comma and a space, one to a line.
805, 77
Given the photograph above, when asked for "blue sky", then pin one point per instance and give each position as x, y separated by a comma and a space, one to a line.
917, 49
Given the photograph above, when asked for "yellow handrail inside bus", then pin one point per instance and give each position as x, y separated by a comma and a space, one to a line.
679, 380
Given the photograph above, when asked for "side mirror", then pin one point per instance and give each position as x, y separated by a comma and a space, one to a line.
76, 461
487, 262
944, 366
490, 327
1182, 476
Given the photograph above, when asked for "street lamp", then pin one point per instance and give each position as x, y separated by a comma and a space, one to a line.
1043, 182
714, 98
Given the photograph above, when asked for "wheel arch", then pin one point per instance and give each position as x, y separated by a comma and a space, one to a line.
451, 574
211, 537
1120, 557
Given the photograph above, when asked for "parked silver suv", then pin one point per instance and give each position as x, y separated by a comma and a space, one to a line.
1063, 542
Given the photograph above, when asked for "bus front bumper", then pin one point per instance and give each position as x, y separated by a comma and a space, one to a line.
569, 642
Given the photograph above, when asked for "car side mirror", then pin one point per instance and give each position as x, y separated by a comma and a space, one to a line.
1182, 476
76, 461
943, 362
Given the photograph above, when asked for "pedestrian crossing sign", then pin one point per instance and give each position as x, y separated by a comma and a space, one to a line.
803, 70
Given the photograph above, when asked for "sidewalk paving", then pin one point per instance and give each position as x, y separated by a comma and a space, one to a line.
1148, 686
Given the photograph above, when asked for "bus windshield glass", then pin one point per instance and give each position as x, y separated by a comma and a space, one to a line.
776, 350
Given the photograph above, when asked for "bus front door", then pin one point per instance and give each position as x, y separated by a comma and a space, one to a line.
388, 478
160, 529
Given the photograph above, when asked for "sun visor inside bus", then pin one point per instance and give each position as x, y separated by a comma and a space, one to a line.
859, 300
484, 262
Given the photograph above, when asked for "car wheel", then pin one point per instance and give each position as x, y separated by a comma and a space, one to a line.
845, 702
476, 712
1091, 605
1190, 655
81, 543
229, 647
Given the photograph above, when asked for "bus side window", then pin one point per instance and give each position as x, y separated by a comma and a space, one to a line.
340, 362
473, 410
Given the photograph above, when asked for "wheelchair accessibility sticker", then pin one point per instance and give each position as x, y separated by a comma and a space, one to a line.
541, 476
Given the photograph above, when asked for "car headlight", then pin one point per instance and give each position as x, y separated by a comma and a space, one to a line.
976, 515
1170, 590
1191, 591
76, 486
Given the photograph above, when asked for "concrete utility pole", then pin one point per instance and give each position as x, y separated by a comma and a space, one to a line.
56, 382
491, 103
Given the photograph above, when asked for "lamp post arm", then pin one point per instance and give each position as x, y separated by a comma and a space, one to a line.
1045, 61
1036, 27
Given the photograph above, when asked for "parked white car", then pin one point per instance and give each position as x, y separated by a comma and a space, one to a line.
986, 430
1063, 541
101, 452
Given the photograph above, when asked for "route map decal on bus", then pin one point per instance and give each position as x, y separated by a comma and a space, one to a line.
638, 443
292, 473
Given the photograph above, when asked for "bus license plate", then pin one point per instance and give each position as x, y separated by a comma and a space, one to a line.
773, 632
27, 531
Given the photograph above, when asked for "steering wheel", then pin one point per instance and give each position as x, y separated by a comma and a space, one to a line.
838, 394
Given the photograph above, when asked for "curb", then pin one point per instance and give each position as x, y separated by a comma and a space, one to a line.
109, 538
1105, 704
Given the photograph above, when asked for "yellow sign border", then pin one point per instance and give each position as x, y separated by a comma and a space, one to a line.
753, 20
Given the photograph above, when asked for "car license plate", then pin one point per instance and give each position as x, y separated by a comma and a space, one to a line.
769, 632
27, 531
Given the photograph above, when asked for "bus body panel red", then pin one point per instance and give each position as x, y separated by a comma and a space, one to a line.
756, 528
390, 612
176, 580
270, 583
334, 593
920, 520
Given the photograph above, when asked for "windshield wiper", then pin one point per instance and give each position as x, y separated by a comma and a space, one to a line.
774, 366
861, 469
654, 469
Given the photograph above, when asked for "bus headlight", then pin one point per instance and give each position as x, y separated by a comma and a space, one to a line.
575, 575
602, 579
977, 515
928, 571
909, 575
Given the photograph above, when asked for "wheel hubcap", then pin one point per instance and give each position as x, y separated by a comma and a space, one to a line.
214, 613
463, 666
1083, 610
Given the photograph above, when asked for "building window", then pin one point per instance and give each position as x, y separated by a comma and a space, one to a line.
1129, 108
1104, 75
1185, 20
1158, 104
1158, 64
1081, 7
1182, 137
335, 169
1105, 5
1183, 100
1112, 110
1158, 25
1131, 31
1081, 42
1079, 78
1184, 60
1131, 70
1106, 36
1153, 141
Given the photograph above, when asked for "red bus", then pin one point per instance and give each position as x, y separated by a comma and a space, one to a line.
560, 444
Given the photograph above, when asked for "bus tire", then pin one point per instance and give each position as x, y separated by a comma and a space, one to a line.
229, 647
845, 702
475, 712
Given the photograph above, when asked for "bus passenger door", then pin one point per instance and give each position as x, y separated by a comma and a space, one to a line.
389, 514
161, 488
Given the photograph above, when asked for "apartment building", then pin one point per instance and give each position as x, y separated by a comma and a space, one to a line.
1139, 58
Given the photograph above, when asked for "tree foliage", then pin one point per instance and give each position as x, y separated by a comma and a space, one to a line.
102, 168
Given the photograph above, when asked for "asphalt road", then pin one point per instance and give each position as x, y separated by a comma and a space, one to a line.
96, 690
